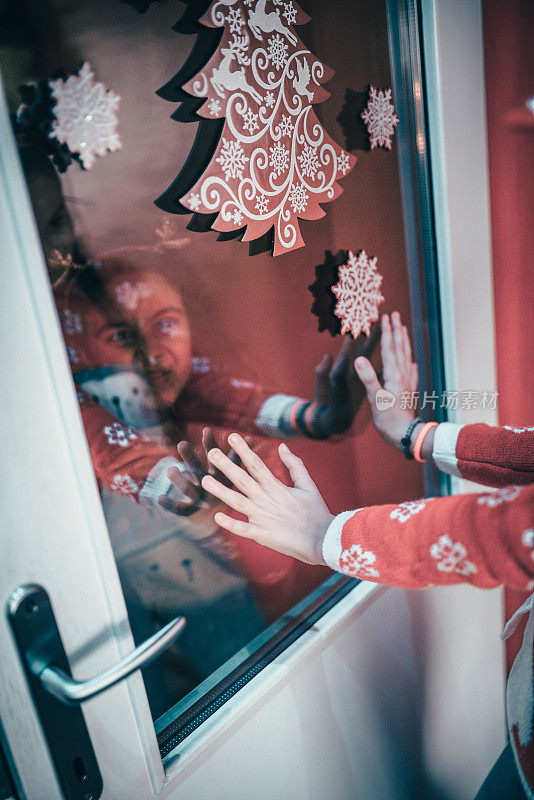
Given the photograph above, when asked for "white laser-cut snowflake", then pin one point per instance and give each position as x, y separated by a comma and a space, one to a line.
380, 118
250, 121
214, 107
235, 20
232, 159
269, 99
290, 13
85, 115
298, 197
309, 162
286, 126
194, 201
237, 217
277, 51
343, 162
358, 294
262, 203
279, 158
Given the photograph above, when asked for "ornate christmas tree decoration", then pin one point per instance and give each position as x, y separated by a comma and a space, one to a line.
358, 294
380, 118
270, 162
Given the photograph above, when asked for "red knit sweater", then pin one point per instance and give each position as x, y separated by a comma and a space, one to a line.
485, 539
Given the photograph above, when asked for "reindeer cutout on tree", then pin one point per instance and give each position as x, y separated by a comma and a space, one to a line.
260, 21
223, 78
273, 162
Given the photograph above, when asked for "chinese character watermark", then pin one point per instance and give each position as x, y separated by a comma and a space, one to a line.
468, 400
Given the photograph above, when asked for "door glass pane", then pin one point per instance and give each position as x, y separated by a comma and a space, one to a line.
169, 330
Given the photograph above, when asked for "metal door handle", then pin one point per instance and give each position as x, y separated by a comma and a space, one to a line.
47, 669
70, 691
41, 649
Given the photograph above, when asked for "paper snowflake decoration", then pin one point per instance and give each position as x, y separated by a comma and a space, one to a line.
309, 161
290, 13
286, 126
277, 50
85, 115
343, 162
232, 159
250, 121
262, 203
214, 107
380, 118
235, 20
279, 158
298, 197
358, 294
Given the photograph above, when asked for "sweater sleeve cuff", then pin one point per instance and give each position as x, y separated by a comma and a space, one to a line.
274, 416
332, 541
444, 448
157, 483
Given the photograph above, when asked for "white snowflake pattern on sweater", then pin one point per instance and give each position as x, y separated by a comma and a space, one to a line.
408, 508
501, 496
120, 434
452, 557
356, 561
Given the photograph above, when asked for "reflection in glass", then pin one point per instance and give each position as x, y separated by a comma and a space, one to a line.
169, 332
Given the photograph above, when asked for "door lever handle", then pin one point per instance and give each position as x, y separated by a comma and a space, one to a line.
71, 691
46, 666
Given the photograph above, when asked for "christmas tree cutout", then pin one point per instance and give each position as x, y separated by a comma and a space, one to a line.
261, 159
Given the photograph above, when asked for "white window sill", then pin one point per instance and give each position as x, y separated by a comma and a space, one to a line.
258, 690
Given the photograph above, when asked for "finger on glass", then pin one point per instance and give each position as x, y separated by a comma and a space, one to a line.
191, 460
233, 525
398, 341
321, 391
171, 505
365, 345
252, 462
407, 347
239, 502
389, 361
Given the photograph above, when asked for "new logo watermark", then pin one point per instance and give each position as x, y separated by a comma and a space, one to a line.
384, 399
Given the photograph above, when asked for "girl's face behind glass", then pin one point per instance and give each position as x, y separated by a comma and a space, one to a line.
157, 312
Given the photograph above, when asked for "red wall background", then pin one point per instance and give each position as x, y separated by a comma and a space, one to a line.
509, 62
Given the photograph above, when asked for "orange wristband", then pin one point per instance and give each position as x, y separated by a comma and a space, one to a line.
420, 439
293, 411
308, 417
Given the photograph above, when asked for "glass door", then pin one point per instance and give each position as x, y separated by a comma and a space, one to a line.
175, 332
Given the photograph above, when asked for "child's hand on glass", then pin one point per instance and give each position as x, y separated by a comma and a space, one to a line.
191, 495
390, 415
292, 520
338, 393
